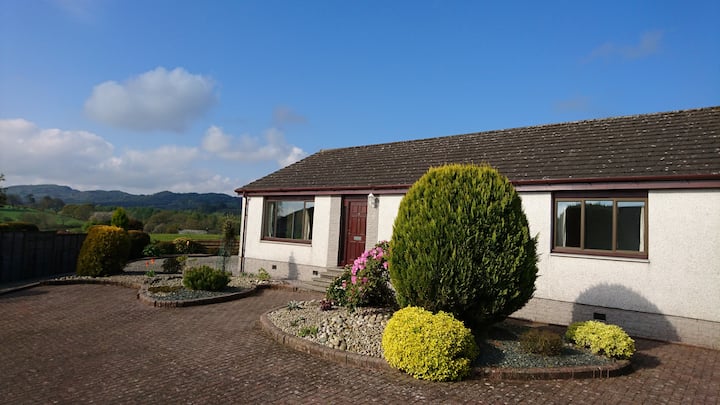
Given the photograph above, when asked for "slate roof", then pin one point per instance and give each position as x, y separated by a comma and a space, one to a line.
678, 143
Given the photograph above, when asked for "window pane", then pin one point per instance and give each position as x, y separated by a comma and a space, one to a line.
567, 224
598, 224
291, 219
309, 211
269, 219
631, 226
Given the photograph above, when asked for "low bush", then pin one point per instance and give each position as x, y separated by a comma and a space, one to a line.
18, 226
174, 264
336, 291
601, 338
158, 248
430, 347
542, 342
104, 251
205, 278
188, 246
138, 241
366, 282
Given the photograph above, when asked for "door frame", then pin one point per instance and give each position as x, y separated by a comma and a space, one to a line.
344, 222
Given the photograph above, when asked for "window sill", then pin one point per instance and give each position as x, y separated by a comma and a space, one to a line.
598, 257
288, 242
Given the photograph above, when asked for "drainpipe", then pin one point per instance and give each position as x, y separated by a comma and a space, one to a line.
246, 199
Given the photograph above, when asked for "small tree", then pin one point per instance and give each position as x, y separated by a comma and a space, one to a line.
120, 219
461, 244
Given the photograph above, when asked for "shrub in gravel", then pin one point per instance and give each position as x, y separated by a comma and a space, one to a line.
541, 342
138, 241
336, 291
174, 265
601, 338
205, 278
461, 244
429, 347
104, 251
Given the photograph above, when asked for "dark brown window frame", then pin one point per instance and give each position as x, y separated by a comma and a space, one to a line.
615, 197
304, 199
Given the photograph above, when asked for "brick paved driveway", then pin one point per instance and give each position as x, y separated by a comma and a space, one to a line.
88, 343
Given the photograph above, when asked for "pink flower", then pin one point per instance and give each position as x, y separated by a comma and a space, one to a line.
353, 279
385, 265
364, 280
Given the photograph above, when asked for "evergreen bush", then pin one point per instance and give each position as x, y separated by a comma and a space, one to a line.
429, 347
104, 251
120, 219
601, 338
541, 342
188, 246
138, 241
461, 244
205, 278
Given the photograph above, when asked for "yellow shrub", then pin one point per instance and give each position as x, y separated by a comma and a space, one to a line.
599, 337
430, 347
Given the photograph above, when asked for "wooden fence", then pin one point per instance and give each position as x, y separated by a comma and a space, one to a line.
30, 255
213, 246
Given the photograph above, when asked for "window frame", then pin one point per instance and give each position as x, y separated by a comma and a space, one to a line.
614, 196
305, 200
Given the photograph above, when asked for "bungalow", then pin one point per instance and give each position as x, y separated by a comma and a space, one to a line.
626, 209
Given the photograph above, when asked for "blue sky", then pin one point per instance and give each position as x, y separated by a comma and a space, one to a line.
206, 96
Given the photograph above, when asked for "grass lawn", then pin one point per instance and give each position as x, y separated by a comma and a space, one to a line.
169, 237
43, 219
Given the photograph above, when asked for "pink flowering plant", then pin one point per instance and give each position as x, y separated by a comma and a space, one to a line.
365, 282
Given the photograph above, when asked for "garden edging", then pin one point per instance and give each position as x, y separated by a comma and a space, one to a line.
147, 299
617, 368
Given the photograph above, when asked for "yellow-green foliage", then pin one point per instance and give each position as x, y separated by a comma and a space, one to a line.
602, 338
429, 347
104, 251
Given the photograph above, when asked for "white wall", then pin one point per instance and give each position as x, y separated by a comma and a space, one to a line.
314, 254
681, 276
388, 206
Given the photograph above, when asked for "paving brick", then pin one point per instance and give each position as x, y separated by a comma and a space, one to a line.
94, 343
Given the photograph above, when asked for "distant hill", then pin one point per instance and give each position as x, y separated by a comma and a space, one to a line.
166, 200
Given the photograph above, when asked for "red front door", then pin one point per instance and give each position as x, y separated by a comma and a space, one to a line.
354, 224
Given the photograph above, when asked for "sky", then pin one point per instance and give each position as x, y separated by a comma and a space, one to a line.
207, 96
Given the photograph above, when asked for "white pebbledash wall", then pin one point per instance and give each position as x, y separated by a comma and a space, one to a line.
673, 295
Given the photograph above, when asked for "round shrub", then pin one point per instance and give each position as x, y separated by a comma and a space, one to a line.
173, 264
104, 251
429, 347
601, 338
138, 241
158, 248
188, 246
205, 278
541, 342
461, 244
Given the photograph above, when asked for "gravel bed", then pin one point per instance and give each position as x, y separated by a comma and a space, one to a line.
180, 293
361, 332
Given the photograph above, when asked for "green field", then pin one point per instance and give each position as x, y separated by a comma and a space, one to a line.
45, 220
169, 237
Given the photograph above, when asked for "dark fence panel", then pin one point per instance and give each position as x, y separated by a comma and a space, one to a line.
29, 255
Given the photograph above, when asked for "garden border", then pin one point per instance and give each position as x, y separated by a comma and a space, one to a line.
146, 299
615, 369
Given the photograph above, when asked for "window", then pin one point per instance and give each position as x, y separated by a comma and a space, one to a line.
603, 224
288, 219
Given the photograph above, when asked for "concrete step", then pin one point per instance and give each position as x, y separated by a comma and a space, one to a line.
323, 280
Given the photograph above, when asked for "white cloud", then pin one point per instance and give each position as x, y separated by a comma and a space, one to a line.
246, 148
83, 160
155, 100
649, 44
283, 115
